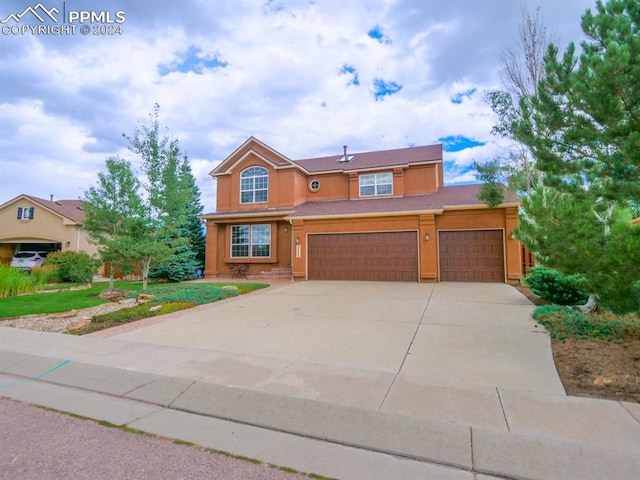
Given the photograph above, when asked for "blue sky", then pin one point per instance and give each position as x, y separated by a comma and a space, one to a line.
304, 76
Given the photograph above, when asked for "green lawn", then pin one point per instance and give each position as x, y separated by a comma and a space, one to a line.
73, 300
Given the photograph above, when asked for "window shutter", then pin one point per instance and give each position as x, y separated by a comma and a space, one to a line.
19, 213
31, 209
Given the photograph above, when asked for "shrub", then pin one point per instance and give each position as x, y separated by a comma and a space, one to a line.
556, 287
562, 322
14, 282
194, 293
138, 312
45, 274
73, 266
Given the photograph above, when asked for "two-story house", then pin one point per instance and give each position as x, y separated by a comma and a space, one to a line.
384, 215
32, 223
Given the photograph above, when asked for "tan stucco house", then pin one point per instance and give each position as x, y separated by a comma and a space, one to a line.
32, 223
383, 215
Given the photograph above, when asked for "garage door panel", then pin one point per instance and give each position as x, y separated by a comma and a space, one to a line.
379, 256
471, 256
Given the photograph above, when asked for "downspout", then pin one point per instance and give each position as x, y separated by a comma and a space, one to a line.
292, 245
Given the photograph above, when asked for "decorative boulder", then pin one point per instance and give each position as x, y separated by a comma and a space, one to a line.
113, 294
144, 297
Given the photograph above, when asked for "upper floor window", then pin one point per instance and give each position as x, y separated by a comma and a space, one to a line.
25, 213
254, 185
376, 184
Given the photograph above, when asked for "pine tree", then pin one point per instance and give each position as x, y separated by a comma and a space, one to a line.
583, 129
174, 200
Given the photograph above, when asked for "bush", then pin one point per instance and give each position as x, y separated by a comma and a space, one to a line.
193, 293
556, 287
138, 312
73, 266
562, 322
45, 274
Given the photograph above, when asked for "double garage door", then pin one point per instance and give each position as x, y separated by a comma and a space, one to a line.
465, 256
379, 256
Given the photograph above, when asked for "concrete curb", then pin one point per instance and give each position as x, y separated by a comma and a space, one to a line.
475, 449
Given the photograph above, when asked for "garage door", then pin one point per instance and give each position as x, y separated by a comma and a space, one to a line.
471, 256
380, 256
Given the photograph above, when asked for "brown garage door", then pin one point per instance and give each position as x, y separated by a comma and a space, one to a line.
471, 256
380, 256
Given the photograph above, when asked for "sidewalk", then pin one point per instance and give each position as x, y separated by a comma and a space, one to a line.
350, 420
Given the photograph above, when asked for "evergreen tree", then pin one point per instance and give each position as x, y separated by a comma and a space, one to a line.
173, 198
583, 129
149, 223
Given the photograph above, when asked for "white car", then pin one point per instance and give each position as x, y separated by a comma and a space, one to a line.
26, 260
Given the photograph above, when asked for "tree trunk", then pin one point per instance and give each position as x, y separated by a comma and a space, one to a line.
112, 270
146, 265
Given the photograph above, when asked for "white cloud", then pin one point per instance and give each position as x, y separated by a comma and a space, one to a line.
65, 102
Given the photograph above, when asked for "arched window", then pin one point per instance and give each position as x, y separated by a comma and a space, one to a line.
254, 185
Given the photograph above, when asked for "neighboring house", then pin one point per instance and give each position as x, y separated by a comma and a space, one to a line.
384, 215
32, 223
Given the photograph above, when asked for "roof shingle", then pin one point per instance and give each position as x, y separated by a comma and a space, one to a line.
368, 160
71, 209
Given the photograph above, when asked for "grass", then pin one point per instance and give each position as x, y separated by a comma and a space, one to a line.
562, 323
56, 302
15, 282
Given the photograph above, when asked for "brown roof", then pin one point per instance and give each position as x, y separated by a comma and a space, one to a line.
71, 209
445, 197
461, 196
369, 160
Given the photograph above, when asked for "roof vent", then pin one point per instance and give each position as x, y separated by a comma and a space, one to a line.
58, 203
345, 157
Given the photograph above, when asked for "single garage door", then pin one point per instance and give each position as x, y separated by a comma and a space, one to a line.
471, 256
379, 256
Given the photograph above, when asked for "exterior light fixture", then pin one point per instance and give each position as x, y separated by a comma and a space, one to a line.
427, 237
297, 240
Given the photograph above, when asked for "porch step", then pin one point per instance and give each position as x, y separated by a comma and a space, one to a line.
279, 272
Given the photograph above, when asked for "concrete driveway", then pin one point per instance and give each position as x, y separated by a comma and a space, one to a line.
345, 379
438, 350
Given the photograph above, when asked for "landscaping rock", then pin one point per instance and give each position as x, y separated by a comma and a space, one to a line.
145, 297
232, 288
113, 294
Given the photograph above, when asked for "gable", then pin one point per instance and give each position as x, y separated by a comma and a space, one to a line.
69, 211
252, 148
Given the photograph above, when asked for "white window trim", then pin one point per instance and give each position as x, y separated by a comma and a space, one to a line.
250, 243
376, 184
253, 189
26, 213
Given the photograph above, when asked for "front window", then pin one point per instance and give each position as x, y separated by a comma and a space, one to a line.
376, 184
250, 241
254, 185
